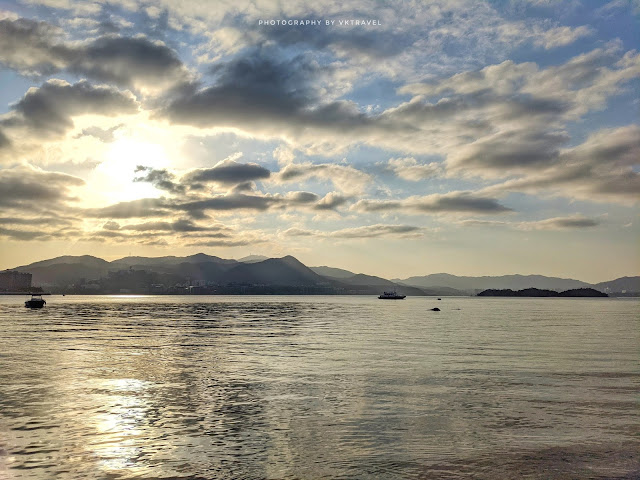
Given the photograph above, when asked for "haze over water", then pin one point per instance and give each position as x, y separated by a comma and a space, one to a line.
319, 387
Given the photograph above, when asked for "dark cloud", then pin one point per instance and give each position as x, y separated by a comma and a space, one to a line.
40, 220
145, 207
453, 202
228, 172
557, 223
41, 234
39, 48
4, 141
26, 187
260, 91
560, 223
50, 108
234, 201
600, 169
512, 150
23, 235
458, 202
251, 88
177, 226
127, 61
144, 238
160, 178
368, 231
32, 47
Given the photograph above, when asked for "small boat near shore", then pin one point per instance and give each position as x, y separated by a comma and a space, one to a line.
36, 302
391, 296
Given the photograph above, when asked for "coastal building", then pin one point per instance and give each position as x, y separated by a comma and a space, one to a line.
12, 281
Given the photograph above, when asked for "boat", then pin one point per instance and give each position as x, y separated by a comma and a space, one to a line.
36, 302
391, 296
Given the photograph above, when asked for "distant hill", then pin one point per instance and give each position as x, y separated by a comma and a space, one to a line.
86, 260
63, 273
201, 269
332, 272
471, 284
536, 292
623, 284
274, 271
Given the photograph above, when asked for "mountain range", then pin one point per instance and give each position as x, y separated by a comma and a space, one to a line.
264, 274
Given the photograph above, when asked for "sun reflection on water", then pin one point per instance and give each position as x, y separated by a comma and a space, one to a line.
120, 424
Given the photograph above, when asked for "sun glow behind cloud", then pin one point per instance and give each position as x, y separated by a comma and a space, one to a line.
114, 177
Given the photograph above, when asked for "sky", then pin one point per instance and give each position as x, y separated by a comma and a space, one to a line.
388, 138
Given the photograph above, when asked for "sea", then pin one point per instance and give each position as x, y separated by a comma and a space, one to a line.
319, 387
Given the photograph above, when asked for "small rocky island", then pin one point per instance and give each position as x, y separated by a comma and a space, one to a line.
536, 292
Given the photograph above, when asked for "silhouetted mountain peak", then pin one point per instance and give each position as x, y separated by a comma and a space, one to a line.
87, 260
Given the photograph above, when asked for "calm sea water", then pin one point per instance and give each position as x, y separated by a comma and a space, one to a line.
319, 387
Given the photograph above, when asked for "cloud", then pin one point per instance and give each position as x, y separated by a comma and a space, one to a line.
374, 231
408, 168
225, 243
261, 93
509, 150
368, 231
481, 223
301, 198
600, 169
561, 36
233, 201
105, 135
32, 47
250, 89
23, 235
452, 202
111, 225
162, 179
559, 223
49, 109
39, 220
27, 187
4, 141
574, 222
39, 48
177, 226
344, 177
227, 172
372, 43
136, 62
508, 106
331, 201
144, 207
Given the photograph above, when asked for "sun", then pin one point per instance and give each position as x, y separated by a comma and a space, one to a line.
116, 173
